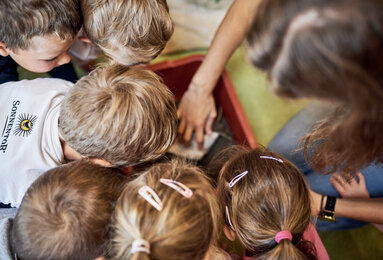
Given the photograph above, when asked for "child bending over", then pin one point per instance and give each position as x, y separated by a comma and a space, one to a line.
65, 214
114, 116
129, 31
37, 35
266, 203
169, 212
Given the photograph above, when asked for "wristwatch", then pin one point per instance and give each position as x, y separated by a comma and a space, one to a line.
328, 214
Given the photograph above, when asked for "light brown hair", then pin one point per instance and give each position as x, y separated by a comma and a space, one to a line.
331, 50
183, 229
66, 212
119, 114
130, 31
21, 20
271, 197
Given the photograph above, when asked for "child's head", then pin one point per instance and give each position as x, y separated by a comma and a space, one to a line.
184, 228
66, 213
38, 34
129, 31
260, 195
305, 48
121, 115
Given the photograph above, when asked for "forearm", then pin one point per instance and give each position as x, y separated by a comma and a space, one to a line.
228, 37
369, 210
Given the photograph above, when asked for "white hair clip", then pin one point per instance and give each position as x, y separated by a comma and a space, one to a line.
150, 196
140, 245
237, 178
228, 218
178, 186
271, 158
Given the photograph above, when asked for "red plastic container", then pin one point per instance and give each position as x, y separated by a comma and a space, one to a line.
177, 75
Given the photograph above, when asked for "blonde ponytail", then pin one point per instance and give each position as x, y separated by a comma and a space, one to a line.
285, 250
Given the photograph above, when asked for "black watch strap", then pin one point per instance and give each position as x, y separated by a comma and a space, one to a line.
328, 214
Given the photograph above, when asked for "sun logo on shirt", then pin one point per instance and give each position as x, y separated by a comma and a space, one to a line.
24, 124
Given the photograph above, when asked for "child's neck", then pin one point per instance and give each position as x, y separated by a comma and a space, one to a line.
69, 153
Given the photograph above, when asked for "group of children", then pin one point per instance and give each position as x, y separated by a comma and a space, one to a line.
121, 115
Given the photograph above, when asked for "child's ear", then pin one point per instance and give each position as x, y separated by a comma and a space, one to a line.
101, 162
85, 39
3, 49
229, 233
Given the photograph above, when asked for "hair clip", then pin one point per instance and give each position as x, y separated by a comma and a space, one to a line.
228, 218
237, 178
178, 186
150, 196
140, 245
270, 157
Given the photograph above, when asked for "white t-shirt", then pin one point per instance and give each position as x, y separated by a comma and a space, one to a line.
29, 141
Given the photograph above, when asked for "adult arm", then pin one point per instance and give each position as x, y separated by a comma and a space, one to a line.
197, 108
363, 209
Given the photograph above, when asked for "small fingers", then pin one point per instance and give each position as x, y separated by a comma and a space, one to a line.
209, 125
337, 184
181, 128
187, 135
360, 176
339, 178
199, 137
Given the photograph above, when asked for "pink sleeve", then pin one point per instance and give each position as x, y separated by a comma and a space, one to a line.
311, 235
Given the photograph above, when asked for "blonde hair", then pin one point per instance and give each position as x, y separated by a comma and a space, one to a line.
270, 198
121, 115
130, 31
183, 229
22, 20
66, 212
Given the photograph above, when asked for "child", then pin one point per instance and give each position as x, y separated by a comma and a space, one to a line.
36, 35
65, 214
129, 31
114, 116
169, 212
267, 206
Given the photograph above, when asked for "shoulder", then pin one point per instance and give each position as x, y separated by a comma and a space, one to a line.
35, 88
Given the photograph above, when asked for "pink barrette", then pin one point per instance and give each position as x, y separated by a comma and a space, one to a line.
140, 245
228, 218
150, 196
178, 186
237, 178
284, 234
270, 157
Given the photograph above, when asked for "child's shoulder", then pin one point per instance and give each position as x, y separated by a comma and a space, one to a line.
36, 86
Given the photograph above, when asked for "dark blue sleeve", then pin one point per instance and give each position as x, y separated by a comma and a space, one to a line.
8, 70
65, 71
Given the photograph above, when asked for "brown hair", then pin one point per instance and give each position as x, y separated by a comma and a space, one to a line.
66, 212
271, 197
183, 229
327, 49
21, 20
119, 114
130, 31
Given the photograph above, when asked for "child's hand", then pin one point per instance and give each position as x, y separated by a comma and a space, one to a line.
350, 188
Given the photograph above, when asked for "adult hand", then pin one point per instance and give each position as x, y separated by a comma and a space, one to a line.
196, 111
